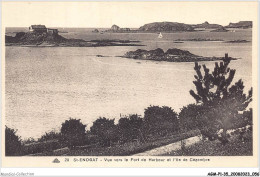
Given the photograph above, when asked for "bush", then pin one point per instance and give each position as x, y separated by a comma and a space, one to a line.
188, 117
13, 143
248, 117
28, 140
160, 120
52, 135
73, 133
130, 128
41, 147
106, 131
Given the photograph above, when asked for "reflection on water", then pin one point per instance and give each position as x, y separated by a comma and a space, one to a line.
45, 86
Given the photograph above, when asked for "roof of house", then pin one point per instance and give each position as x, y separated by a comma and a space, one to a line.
38, 26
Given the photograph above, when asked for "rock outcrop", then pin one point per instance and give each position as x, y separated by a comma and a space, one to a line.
237, 41
221, 29
207, 25
115, 28
171, 55
199, 39
31, 38
166, 27
95, 31
241, 24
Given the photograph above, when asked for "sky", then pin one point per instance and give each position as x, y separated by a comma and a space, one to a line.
123, 14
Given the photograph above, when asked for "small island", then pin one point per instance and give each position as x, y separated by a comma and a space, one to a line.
237, 41
220, 29
171, 55
241, 24
207, 25
199, 39
117, 29
166, 27
40, 36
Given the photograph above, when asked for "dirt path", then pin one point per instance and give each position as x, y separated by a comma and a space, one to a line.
170, 147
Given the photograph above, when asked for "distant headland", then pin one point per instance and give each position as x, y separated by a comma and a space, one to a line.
177, 27
241, 24
39, 35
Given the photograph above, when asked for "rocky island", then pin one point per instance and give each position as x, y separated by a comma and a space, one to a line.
117, 29
241, 24
199, 39
220, 29
171, 55
207, 25
237, 41
44, 37
166, 27
169, 27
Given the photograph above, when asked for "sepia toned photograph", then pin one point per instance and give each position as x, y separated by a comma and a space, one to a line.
139, 79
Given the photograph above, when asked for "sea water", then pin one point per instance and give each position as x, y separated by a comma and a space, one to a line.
47, 85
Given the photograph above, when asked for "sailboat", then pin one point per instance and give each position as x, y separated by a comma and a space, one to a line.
160, 35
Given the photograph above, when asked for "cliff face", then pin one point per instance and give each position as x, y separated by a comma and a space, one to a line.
206, 25
166, 26
241, 24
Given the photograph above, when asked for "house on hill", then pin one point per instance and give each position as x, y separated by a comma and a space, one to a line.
38, 28
42, 29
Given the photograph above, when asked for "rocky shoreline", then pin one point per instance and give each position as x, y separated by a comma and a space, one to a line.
31, 39
171, 55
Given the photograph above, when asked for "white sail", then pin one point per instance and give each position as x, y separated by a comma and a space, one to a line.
160, 35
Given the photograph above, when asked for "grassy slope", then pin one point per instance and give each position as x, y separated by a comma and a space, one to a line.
235, 147
132, 147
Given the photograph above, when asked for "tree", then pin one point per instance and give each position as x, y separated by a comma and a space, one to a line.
160, 120
13, 143
105, 129
129, 128
73, 133
220, 101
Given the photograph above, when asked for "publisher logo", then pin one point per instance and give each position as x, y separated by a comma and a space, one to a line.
56, 161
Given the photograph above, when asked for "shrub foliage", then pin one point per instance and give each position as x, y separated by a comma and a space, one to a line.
73, 133
105, 129
188, 117
160, 120
130, 128
12, 142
